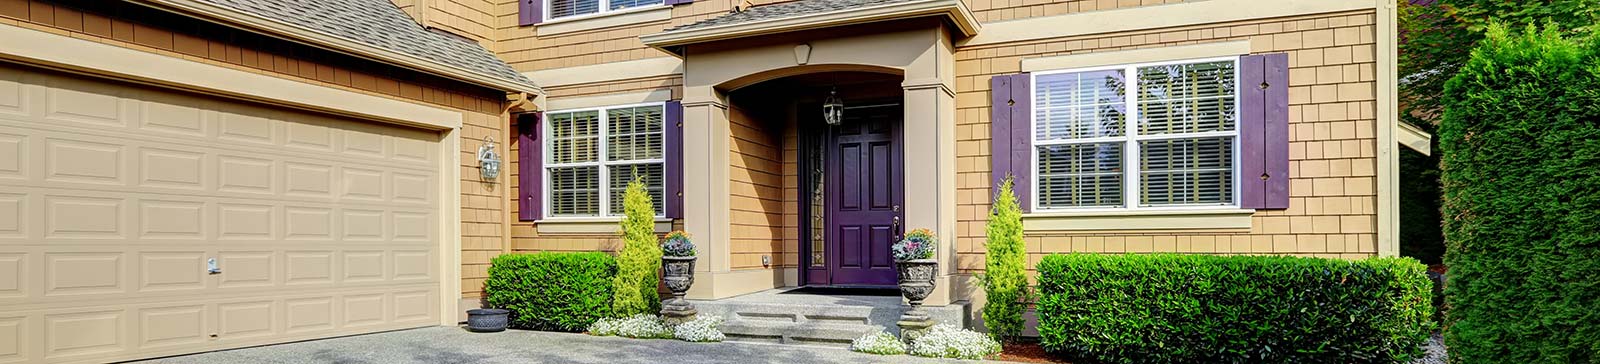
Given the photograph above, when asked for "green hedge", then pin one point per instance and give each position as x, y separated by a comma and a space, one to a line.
1520, 144
1233, 309
552, 291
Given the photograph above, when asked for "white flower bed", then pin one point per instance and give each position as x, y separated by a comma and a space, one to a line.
881, 343
948, 341
704, 328
639, 326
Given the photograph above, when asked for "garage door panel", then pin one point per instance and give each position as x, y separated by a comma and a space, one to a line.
13, 156
14, 339
83, 333
173, 325
114, 200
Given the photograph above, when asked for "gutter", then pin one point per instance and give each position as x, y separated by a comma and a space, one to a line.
956, 10
298, 34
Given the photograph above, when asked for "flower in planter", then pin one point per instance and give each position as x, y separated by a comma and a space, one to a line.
677, 244
918, 244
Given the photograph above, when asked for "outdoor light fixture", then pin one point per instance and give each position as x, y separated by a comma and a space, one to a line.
488, 160
833, 108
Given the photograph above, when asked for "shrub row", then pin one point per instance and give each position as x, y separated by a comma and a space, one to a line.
552, 291
1233, 309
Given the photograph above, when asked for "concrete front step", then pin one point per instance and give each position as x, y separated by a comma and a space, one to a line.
792, 317
804, 333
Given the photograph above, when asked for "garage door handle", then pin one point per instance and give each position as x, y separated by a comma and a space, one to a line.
211, 266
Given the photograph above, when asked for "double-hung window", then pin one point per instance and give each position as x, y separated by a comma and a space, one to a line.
571, 8
592, 154
1136, 136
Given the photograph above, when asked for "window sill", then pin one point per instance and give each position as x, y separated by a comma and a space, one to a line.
625, 17
591, 226
1196, 219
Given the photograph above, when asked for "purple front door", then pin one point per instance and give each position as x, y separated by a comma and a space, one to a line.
864, 196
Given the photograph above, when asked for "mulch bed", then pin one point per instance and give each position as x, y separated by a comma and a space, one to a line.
1027, 352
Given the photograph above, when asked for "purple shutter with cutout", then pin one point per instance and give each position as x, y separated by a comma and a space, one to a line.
674, 155
1011, 135
1022, 139
530, 166
1264, 131
530, 12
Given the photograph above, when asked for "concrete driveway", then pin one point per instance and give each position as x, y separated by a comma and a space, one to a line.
456, 345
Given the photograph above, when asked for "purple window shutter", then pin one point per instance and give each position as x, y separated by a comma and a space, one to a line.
1264, 131
674, 192
676, 2
1010, 135
530, 12
999, 131
530, 166
1022, 139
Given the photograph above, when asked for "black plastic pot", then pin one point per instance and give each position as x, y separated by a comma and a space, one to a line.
488, 319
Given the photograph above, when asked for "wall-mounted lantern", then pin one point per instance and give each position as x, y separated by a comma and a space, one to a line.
488, 160
833, 108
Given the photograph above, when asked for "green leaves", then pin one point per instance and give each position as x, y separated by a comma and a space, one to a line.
1004, 282
552, 291
1521, 172
640, 259
1234, 309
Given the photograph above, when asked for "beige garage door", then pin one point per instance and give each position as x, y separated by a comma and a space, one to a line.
115, 199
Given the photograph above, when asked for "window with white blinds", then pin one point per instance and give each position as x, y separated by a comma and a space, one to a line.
568, 8
592, 154
1179, 152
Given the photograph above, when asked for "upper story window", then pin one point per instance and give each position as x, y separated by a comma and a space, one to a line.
570, 8
592, 154
1178, 152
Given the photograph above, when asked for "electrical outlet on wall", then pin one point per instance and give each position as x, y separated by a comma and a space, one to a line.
766, 260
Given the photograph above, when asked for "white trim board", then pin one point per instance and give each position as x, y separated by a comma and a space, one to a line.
568, 103
576, 75
1146, 55
1154, 17
84, 56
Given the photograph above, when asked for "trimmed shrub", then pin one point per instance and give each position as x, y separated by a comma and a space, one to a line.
1233, 309
1004, 283
552, 291
639, 262
1520, 140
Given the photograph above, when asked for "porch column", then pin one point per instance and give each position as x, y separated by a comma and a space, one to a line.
930, 173
705, 190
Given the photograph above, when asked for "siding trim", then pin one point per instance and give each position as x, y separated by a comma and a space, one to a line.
1154, 17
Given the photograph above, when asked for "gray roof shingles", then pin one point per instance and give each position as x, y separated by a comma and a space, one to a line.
784, 10
380, 24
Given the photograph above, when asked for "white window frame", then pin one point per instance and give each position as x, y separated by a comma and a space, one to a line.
602, 164
1131, 138
602, 10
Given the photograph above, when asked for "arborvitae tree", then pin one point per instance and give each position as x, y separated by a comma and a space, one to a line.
1004, 281
639, 262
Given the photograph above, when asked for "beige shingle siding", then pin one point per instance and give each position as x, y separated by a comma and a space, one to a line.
1333, 141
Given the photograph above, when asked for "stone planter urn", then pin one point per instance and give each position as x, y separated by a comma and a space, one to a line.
678, 274
916, 283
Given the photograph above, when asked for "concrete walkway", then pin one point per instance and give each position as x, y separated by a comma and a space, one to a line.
456, 345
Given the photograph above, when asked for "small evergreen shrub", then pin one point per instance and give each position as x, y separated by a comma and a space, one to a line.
881, 343
1520, 144
703, 329
640, 326
949, 341
552, 291
1004, 282
1233, 309
639, 262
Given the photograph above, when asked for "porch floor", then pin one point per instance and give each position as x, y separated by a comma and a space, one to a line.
813, 316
